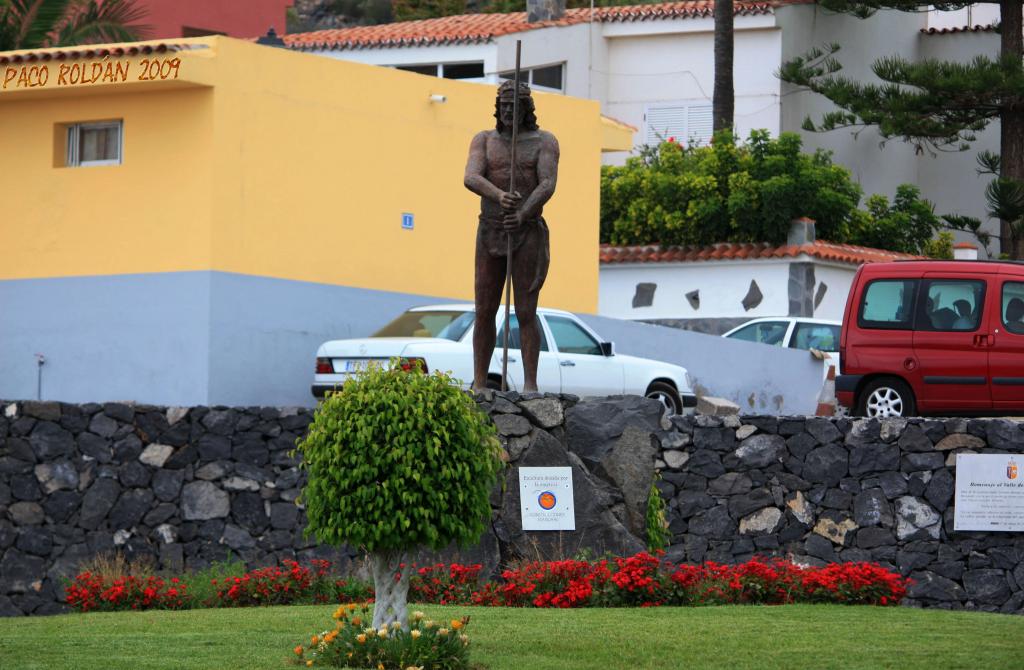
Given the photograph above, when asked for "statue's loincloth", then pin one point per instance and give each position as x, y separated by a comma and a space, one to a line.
530, 244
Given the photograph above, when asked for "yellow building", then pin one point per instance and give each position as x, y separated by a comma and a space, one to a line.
185, 222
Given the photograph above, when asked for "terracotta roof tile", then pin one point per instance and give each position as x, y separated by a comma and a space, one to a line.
960, 29
74, 53
826, 251
476, 28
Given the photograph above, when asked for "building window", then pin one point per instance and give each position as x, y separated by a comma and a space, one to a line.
547, 78
447, 70
690, 124
95, 143
462, 71
429, 70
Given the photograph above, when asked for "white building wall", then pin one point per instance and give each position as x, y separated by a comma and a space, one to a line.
950, 180
878, 169
551, 46
837, 279
670, 63
981, 14
722, 286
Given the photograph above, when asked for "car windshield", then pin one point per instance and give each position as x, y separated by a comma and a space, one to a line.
450, 325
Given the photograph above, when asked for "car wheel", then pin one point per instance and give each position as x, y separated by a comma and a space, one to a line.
667, 396
886, 397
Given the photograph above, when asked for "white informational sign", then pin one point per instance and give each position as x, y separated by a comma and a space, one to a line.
545, 499
989, 492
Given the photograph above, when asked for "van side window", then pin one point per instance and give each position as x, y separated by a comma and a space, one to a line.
952, 305
1013, 306
888, 303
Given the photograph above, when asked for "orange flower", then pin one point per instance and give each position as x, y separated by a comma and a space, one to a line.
298, 650
361, 638
313, 640
456, 624
357, 621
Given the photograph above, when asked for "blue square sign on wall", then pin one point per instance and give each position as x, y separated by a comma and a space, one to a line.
407, 221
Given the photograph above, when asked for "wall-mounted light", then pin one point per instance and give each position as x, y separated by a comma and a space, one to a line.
438, 98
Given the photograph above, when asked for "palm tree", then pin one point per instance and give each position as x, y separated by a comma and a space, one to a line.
31, 24
723, 98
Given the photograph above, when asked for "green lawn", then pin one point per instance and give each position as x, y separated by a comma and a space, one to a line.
795, 636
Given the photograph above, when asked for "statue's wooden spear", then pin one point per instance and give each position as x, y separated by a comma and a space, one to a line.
508, 235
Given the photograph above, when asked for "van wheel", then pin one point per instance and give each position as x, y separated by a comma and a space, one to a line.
667, 395
886, 397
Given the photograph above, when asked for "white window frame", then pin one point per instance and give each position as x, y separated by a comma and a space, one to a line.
687, 111
74, 132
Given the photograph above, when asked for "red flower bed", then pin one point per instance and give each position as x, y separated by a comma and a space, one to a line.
280, 585
89, 592
287, 584
442, 584
554, 583
643, 580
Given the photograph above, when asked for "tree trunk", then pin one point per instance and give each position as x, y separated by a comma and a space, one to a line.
1011, 124
723, 101
390, 595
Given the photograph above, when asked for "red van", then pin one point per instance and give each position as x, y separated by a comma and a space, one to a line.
933, 337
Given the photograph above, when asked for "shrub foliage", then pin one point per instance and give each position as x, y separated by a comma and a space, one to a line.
398, 460
658, 535
750, 192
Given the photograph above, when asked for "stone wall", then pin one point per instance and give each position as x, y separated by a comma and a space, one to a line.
184, 486
189, 486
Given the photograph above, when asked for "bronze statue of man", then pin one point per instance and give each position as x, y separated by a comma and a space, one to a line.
518, 215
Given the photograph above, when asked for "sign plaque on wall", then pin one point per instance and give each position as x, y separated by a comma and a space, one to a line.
545, 499
989, 492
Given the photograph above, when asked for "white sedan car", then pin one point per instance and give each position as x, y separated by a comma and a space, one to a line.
573, 358
795, 332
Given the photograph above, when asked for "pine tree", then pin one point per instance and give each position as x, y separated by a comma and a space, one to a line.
935, 104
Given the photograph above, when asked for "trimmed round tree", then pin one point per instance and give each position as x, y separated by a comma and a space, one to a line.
398, 460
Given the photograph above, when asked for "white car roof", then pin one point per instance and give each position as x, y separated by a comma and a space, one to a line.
798, 319
468, 307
